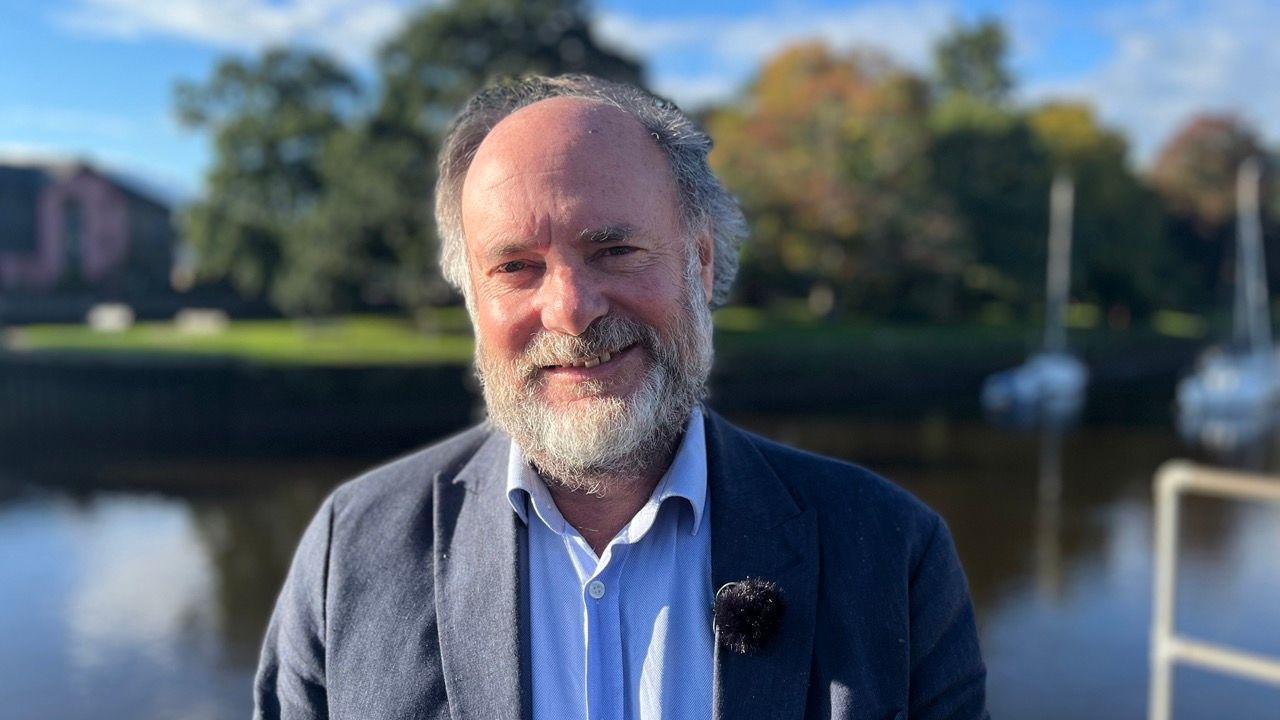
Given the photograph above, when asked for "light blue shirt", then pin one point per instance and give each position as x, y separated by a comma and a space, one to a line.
627, 635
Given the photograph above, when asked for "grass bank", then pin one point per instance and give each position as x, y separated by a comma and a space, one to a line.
360, 384
743, 337
345, 341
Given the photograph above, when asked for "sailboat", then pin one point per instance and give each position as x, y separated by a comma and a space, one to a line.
1233, 397
1050, 385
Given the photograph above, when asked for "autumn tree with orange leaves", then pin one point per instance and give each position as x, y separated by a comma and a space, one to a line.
828, 152
1195, 175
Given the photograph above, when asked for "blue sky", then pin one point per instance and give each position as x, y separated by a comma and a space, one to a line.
94, 78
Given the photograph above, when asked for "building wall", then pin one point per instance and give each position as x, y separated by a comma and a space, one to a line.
103, 234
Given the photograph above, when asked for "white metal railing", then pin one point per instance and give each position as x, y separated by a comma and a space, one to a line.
1173, 479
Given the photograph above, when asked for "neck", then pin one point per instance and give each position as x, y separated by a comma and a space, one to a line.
598, 515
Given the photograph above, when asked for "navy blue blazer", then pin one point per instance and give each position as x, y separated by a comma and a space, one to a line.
407, 595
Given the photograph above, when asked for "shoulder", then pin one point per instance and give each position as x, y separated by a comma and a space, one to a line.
401, 490
850, 501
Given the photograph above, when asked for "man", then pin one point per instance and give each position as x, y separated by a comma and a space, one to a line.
604, 546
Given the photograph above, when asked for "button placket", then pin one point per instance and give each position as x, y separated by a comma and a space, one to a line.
605, 699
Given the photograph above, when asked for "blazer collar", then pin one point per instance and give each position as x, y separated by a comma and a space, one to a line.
758, 529
481, 589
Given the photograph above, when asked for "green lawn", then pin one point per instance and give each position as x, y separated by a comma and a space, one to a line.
351, 340
389, 340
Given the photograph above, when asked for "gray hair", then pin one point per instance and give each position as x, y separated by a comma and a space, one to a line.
705, 204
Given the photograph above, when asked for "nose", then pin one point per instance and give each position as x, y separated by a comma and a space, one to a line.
569, 300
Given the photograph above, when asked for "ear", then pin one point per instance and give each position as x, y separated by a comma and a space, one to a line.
706, 262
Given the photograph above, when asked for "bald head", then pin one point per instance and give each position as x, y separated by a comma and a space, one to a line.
571, 143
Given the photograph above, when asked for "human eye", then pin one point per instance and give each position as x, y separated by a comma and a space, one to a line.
617, 251
513, 266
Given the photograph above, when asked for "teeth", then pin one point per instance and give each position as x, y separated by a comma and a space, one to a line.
592, 362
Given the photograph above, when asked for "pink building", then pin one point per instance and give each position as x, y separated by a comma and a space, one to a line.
71, 228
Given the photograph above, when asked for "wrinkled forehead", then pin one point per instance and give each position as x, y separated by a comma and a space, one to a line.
568, 137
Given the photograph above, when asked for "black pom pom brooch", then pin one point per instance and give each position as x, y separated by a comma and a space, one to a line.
748, 614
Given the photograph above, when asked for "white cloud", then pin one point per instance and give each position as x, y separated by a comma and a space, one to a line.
351, 29
645, 37
727, 49
904, 30
1175, 58
696, 91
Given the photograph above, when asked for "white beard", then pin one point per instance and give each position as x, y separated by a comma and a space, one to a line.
603, 440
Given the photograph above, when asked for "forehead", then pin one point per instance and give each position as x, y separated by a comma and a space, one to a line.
567, 159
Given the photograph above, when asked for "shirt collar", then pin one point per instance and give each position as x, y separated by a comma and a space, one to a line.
685, 478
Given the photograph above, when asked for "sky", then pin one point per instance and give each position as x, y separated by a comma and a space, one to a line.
95, 78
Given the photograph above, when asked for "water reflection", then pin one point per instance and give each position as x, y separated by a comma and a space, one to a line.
130, 602
142, 590
1049, 514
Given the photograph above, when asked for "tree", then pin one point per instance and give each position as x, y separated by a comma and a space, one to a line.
379, 177
1195, 171
270, 119
444, 55
990, 164
1121, 259
369, 240
970, 61
1195, 176
323, 206
828, 153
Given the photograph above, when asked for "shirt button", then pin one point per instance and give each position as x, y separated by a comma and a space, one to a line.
596, 589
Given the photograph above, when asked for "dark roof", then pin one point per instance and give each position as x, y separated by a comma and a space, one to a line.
59, 169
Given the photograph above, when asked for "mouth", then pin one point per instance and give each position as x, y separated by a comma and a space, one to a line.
591, 362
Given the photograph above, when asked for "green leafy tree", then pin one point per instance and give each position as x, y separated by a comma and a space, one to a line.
991, 165
996, 162
1121, 260
270, 120
443, 55
970, 60
372, 234
322, 205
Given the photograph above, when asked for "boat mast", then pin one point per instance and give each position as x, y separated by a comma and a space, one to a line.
1252, 321
1058, 272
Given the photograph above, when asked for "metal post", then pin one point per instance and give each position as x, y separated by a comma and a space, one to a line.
1165, 582
1173, 479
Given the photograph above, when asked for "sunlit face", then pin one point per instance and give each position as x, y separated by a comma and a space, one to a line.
589, 299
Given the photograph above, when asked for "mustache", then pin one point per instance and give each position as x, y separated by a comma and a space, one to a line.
607, 334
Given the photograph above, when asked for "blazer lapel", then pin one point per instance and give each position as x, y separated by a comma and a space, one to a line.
479, 589
758, 530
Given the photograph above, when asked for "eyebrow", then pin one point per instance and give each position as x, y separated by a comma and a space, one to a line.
507, 249
608, 234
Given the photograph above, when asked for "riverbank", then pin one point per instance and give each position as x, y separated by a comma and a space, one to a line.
382, 385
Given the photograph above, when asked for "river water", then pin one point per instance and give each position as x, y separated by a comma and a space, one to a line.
132, 589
